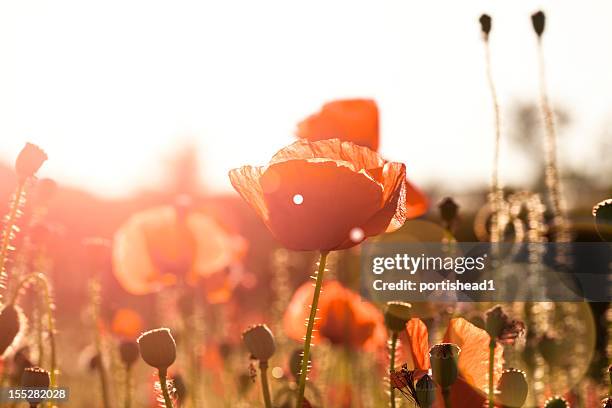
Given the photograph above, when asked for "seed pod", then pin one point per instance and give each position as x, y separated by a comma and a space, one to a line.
425, 391
259, 341
35, 377
485, 25
603, 219
444, 358
128, 351
556, 402
9, 326
29, 161
538, 20
157, 348
606, 402
397, 315
512, 388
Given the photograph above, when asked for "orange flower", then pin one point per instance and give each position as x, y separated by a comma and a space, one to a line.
356, 120
344, 318
353, 120
470, 389
127, 324
163, 246
312, 195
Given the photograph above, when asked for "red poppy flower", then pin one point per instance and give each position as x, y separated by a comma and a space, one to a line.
356, 120
470, 388
159, 247
343, 318
325, 195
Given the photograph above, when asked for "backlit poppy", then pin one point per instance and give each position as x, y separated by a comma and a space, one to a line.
344, 318
325, 195
165, 245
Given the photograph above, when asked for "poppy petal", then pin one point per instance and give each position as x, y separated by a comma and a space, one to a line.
393, 214
418, 338
246, 182
417, 202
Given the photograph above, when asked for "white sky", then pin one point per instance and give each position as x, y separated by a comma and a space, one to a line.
109, 87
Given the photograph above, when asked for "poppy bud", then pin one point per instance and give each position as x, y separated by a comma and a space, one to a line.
425, 391
9, 327
556, 402
157, 348
603, 219
606, 402
512, 388
485, 25
128, 351
259, 340
538, 20
448, 210
444, 358
35, 377
29, 161
397, 315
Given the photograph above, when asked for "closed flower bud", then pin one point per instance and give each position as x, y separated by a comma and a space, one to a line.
556, 402
259, 341
603, 219
29, 161
448, 211
397, 315
512, 389
128, 351
485, 25
425, 391
9, 326
539, 21
35, 377
444, 358
157, 348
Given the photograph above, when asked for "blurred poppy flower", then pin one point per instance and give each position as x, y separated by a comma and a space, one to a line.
127, 324
470, 388
344, 318
325, 195
167, 245
352, 120
356, 121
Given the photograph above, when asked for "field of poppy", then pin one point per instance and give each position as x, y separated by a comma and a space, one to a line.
254, 299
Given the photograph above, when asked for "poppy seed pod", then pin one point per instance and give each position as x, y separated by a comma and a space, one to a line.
397, 315
556, 402
259, 341
157, 348
128, 351
603, 219
448, 210
444, 358
512, 388
425, 391
35, 377
485, 25
29, 161
9, 327
538, 20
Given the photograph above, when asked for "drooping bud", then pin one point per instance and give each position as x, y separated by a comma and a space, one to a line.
512, 388
538, 20
485, 25
259, 341
9, 327
397, 315
157, 348
425, 391
603, 219
35, 377
556, 402
29, 161
444, 359
128, 351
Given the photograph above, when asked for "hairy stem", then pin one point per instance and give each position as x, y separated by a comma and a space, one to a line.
163, 384
392, 348
310, 327
11, 222
265, 387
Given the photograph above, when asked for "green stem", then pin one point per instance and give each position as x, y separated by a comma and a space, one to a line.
8, 233
163, 372
392, 347
128, 387
446, 395
491, 367
310, 327
265, 388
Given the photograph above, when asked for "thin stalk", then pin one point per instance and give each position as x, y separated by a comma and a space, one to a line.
11, 222
491, 366
163, 384
392, 348
265, 387
446, 396
310, 327
128, 387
